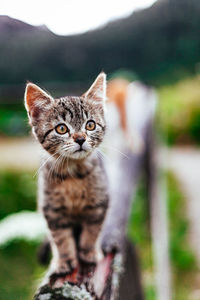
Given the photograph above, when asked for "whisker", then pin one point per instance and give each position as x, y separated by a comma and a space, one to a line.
106, 146
103, 155
65, 147
69, 171
53, 167
51, 156
62, 166
59, 166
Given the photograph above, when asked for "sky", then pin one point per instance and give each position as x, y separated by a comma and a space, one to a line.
67, 17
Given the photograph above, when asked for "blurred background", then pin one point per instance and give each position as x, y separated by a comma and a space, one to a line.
62, 46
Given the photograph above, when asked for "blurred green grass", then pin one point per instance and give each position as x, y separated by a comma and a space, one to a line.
139, 233
184, 265
17, 192
20, 271
13, 120
184, 268
178, 113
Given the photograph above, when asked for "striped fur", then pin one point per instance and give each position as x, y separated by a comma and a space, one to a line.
72, 181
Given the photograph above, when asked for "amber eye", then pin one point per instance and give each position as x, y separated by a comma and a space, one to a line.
91, 125
61, 129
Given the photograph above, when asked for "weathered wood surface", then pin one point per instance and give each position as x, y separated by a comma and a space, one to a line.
118, 278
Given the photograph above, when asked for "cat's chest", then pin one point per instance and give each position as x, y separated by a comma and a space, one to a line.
75, 194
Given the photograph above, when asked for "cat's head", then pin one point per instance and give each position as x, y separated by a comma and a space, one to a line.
70, 126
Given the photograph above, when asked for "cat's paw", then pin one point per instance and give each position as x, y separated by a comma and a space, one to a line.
87, 256
62, 269
66, 266
87, 262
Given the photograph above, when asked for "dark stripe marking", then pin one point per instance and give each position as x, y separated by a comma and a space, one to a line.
46, 134
95, 219
99, 205
70, 112
63, 116
85, 250
55, 224
102, 127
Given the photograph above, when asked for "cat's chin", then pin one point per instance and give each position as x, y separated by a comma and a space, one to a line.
79, 154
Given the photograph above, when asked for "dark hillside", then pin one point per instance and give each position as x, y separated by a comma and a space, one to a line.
10, 26
161, 44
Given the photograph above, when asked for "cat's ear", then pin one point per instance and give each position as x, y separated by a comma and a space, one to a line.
97, 91
36, 99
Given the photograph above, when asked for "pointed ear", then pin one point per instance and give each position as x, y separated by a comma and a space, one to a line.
35, 99
97, 91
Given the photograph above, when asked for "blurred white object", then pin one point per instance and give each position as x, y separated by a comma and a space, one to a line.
23, 225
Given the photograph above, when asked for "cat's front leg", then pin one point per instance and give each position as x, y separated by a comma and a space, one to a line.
87, 243
64, 251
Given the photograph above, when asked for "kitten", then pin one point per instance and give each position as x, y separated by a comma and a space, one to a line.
72, 182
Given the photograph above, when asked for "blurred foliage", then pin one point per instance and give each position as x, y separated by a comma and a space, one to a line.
13, 120
178, 112
20, 272
17, 192
181, 254
19, 267
139, 233
183, 261
125, 74
138, 229
184, 265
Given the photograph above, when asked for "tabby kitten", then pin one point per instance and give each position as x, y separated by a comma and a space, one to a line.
72, 184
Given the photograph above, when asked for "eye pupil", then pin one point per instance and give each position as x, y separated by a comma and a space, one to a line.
91, 125
61, 129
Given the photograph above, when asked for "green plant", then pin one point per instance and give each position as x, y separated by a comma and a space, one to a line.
182, 257
178, 113
17, 192
139, 233
19, 267
184, 268
13, 120
20, 272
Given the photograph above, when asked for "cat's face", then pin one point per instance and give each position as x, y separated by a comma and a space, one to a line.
70, 126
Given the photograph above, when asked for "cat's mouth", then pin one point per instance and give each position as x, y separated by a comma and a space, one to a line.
80, 153
80, 150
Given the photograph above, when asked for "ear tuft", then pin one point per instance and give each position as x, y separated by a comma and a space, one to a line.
97, 91
35, 96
